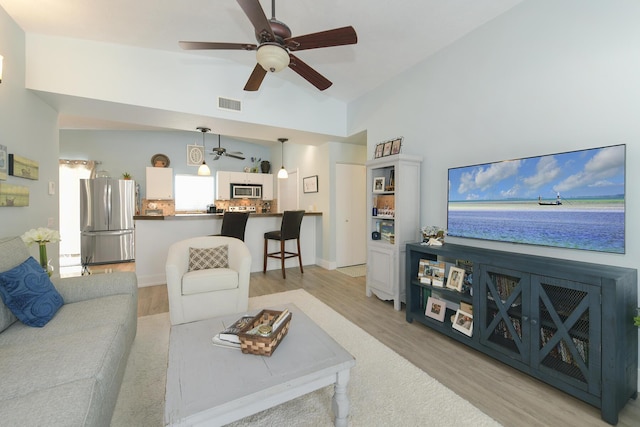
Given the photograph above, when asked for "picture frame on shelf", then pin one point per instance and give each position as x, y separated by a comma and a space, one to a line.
463, 322
396, 144
378, 184
310, 184
435, 309
387, 148
379, 150
456, 278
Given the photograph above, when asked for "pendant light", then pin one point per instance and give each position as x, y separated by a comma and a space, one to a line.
203, 170
282, 173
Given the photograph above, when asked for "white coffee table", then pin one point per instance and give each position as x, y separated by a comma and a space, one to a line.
210, 385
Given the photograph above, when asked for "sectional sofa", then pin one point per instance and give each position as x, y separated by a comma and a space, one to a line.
69, 371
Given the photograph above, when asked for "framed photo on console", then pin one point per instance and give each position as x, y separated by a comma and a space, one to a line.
463, 322
456, 278
435, 309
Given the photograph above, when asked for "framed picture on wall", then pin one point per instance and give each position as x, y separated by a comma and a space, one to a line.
310, 184
4, 162
22, 167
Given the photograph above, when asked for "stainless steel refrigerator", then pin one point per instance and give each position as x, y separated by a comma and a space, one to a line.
107, 207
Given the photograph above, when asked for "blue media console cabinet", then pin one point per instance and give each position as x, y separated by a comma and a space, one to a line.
567, 323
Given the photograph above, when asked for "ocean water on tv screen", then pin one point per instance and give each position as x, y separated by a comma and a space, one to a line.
589, 224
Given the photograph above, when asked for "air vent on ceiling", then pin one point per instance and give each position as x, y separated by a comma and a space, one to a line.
229, 104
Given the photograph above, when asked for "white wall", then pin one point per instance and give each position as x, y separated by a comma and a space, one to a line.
27, 128
545, 77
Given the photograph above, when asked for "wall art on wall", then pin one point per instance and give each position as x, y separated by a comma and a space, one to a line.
13, 195
22, 167
4, 161
195, 155
310, 184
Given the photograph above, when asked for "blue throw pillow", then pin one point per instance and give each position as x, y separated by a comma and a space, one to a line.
29, 293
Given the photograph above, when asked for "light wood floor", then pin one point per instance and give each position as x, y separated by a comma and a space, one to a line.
505, 394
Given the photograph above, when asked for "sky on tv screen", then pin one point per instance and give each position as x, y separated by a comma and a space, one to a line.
597, 172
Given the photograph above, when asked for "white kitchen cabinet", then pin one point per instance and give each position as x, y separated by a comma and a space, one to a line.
223, 185
159, 183
267, 186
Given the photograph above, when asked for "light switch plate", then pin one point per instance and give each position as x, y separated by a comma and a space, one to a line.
52, 188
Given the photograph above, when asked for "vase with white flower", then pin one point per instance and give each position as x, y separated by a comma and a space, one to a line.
42, 236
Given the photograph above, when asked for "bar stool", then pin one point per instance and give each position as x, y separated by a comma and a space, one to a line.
289, 230
234, 224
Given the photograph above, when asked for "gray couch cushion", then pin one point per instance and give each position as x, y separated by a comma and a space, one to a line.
13, 252
72, 318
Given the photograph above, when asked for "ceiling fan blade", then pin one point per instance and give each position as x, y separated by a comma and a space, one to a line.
235, 156
216, 157
308, 73
255, 79
258, 19
336, 37
218, 46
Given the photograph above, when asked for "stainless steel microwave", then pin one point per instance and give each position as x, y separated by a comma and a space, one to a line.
246, 191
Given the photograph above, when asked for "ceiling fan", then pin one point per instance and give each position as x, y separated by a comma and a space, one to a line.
218, 152
275, 44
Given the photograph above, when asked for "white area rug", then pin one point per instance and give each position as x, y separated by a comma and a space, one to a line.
354, 270
385, 389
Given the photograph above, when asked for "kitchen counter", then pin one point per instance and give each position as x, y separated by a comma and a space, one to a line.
209, 216
155, 233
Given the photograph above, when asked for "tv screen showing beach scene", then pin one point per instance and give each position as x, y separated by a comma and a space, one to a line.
567, 200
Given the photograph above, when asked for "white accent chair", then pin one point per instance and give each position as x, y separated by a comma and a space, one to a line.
202, 294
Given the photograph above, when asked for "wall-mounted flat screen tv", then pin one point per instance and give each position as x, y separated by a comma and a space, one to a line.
567, 200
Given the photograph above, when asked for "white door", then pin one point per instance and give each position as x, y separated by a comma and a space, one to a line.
351, 218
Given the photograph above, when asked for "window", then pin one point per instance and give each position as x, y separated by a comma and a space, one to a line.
193, 192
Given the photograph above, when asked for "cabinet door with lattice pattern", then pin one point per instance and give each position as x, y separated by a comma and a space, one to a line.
504, 303
565, 323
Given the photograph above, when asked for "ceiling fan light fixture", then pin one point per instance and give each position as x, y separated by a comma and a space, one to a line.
272, 57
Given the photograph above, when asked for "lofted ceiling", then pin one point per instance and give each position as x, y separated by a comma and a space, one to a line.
392, 36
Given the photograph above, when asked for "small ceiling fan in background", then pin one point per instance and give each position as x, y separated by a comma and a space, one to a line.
275, 45
218, 152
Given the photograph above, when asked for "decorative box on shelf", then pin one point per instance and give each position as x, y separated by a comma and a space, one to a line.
264, 344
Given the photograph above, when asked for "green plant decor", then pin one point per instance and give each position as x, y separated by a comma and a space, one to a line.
636, 319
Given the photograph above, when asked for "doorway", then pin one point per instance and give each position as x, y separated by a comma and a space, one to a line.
351, 242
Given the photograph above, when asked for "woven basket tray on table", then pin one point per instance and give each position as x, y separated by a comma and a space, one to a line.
260, 344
